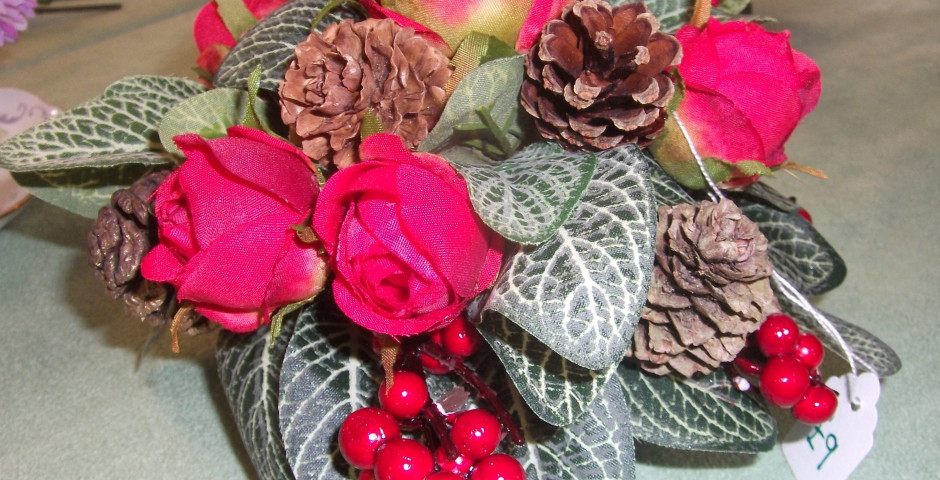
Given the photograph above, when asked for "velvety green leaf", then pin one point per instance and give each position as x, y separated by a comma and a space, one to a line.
557, 390
797, 250
271, 43
695, 414
208, 114
868, 351
495, 86
598, 445
581, 292
118, 127
672, 14
666, 190
249, 369
733, 7
326, 375
527, 197
764, 193
83, 190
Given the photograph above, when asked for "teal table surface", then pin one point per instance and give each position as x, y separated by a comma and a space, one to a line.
76, 402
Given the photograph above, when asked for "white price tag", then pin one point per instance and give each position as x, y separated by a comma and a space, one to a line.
833, 450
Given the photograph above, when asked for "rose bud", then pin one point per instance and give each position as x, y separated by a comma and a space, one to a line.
224, 224
406, 246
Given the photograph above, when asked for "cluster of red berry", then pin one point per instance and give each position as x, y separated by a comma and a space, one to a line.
455, 446
785, 364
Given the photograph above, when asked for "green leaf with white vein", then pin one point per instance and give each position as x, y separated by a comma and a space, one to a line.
82, 190
326, 375
557, 390
666, 190
116, 128
249, 369
798, 251
869, 352
271, 43
695, 414
495, 86
528, 197
672, 14
580, 292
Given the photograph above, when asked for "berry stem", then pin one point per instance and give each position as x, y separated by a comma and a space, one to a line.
486, 393
438, 424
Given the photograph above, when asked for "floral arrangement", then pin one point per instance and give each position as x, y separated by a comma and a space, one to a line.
484, 239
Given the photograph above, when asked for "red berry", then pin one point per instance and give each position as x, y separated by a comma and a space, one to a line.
747, 366
476, 433
461, 464
461, 337
444, 476
366, 475
809, 350
363, 432
407, 395
403, 459
784, 381
777, 335
498, 466
805, 214
818, 406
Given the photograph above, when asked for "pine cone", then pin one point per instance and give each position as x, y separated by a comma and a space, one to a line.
596, 77
353, 67
710, 289
124, 232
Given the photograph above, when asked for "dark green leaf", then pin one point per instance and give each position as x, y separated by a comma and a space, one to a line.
671, 14
695, 414
271, 43
666, 190
868, 351
581, 291
527, 197
249, 369
797, 250
326, 375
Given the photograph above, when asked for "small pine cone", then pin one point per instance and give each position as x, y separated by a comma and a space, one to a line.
596, 77
710, 289
124, 232
353, 67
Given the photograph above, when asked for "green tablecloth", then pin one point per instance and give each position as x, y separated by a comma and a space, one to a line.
73, 403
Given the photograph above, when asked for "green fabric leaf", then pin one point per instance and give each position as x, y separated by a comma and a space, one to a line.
666, 190
733, 7
528, 197
557, 390
753, 167
236, 16
581, 291
868, 351
326, 375
118, 127
762, 192
249, 369
83, 191
798, 251
209, 115
671, 14
271, 43
695, 414
493, 86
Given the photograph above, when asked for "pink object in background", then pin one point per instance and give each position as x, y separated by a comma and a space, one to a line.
13, 15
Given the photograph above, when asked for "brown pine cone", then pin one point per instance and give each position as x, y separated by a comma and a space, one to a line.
596, 77
124, 232
710, 289
353, 67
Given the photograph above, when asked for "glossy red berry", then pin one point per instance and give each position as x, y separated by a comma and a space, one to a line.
777, 335
805, 214
817, 406
461, 338
747, 366
407, 395
363, 432
498, 466
461, 464
784, 381
809, 350
476, 433
403, 459
444, 476
366, 475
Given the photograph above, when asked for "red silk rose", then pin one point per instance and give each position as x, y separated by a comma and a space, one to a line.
746, 90
214, 39
224, 222
406, 246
